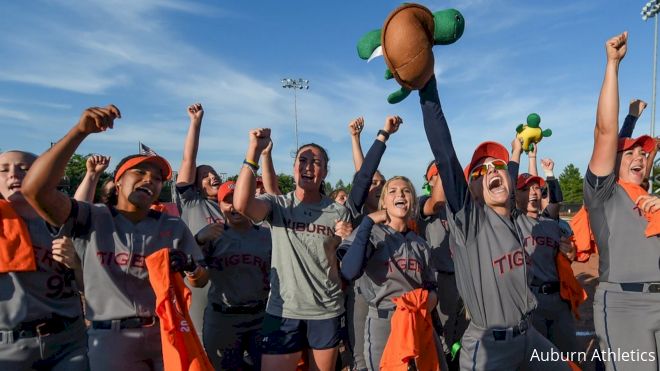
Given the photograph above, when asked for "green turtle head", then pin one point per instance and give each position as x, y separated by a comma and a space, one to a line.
533, 120
449, 26
368, 43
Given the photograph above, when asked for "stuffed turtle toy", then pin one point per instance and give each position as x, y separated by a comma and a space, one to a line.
406, 41
531, 133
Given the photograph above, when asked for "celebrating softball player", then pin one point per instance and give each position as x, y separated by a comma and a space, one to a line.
491, 264
113, 243
41, 324
306, 302
621, 215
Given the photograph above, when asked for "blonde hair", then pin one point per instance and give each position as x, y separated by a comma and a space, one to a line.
413, 210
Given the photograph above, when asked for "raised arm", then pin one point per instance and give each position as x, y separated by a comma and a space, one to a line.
187, 171
244, 200
268, 174
531, 158
362, 180
355, 129
514, 168
40, 184
635, 110
96, 165
603, 157
439, 137
555, 196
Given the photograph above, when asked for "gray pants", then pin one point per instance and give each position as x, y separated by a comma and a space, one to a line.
356, 315
627, 322
554, 320
481, 351
64, 351
228, 336
451, 310
198, 305
127, 349
376, 333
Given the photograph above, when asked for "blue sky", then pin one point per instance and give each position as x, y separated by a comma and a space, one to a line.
154, 57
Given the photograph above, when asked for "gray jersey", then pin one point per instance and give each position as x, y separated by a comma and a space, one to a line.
239, 265
492, 272
626, 255
304, 279
435, 230
395, 264
541, 239
113, 251
28, 296
197, 211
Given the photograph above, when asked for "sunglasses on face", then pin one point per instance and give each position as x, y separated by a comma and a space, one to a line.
482, 169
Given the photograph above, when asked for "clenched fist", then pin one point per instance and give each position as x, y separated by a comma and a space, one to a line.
95, 119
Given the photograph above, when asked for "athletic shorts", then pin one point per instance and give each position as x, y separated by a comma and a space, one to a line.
286, 335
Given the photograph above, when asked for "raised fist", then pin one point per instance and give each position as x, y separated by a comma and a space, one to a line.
547, 164
355, 127
195, 111
96, 164
260, 138
392, 124
616, 47
95, 119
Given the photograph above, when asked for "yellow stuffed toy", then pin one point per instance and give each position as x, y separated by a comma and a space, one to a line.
531, 133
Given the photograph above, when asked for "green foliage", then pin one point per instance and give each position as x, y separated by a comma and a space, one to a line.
571, 183
286, 183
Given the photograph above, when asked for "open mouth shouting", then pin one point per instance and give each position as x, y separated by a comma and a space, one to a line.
145, 190
401, 204
496, 185
15, 186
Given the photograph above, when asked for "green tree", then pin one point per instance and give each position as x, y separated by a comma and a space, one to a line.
285, 182
571, 183
339, 184
328, 188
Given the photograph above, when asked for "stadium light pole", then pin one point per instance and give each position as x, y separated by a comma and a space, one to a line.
650, 10
295, 85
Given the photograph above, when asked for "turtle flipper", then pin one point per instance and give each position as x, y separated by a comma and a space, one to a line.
388, 74
546, 133
398, 96
368, 43
519, 128
531, 148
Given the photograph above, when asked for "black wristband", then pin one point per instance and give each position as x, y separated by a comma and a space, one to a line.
383, 133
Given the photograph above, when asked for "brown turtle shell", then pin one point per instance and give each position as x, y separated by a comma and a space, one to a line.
407, 42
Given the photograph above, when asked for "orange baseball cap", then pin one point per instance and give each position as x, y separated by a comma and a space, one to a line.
226, 189
433, 170
525, 179
160, 162
646, 142
487, 149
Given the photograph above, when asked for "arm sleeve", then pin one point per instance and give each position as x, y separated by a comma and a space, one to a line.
186, 192
628, 126
554, 191
363, 177
598, 189
439, 138
352, 265
513, 169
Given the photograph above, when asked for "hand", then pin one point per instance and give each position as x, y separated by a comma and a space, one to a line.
343, 229
547, 164
392, 124
96, 164
268, 149
95, 119
648, 203
210, 233
567, 248
180, 262
516, 145
379, 217
355, 127
636, 108
532, 152
259, 139
616, 47
195, 112
64, 253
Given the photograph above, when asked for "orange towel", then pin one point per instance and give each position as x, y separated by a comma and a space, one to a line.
16, 254
582, 236
411, 335
569, 287
634, 192
182, 349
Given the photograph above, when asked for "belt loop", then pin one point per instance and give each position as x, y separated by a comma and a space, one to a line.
115, 325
